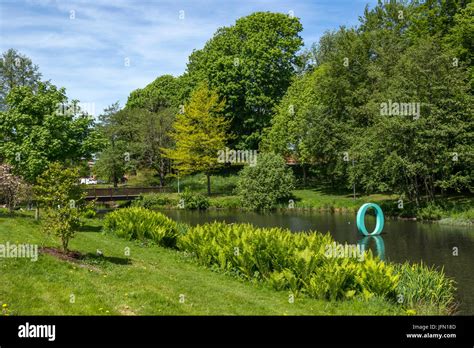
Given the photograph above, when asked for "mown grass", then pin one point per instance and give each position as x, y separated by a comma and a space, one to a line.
149, 282
319, 200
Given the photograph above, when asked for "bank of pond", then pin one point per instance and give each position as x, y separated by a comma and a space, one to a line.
306, 264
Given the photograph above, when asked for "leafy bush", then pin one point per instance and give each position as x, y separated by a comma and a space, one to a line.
154, 201
421, 285
297, 262
430, 212
63, 200
377, 277
194, 200
140, 223
265, 184
334, 281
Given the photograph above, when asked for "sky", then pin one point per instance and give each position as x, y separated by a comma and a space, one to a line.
101, 50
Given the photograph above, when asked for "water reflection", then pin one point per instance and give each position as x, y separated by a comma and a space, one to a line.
379, 245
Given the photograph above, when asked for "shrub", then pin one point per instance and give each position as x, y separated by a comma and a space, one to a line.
57, 190
194, 200
297, 262
140, 223
430, 212
377, 277
421, 285
154, 201
334, 281
265, 184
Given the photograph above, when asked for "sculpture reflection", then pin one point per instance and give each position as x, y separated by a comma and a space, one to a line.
379, 245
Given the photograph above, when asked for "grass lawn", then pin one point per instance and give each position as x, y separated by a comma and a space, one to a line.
149, 282
318, 199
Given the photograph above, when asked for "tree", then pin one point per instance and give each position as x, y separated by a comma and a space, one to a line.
265, 184
16, 70
111, 164
120, 133
199, 133
425, 152
36, 130
57, 189
250, 65
154, 136
166, 91
12, 188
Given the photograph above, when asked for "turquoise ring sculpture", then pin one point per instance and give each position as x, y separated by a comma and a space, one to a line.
378, 214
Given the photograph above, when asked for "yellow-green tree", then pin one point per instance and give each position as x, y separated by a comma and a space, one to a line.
199, 132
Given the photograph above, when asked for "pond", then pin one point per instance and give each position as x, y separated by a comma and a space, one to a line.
400, 241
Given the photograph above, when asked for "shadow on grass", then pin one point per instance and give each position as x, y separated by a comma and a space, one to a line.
90, 228
97, 259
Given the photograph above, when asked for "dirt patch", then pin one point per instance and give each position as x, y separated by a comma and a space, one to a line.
73, 256
126, 310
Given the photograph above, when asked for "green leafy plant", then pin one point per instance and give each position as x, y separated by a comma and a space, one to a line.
154, 201
421, 285
262, 186
194, 201
58, 192
140, 223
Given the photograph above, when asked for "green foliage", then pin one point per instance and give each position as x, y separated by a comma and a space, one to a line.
194, 201
332, 115
259, 50
421, 285
16, 70
57, 190
62, 222
297, 262
34, 131
199, 133
262, 186
430, 212
154, 201
166, 91
142, 224
118, 130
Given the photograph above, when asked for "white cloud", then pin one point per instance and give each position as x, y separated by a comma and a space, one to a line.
86, 54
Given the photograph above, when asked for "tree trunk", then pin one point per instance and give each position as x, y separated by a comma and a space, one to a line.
208, 184
162, 173
304, 175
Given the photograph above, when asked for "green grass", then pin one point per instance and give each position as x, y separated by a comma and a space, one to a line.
149, 283
320, 200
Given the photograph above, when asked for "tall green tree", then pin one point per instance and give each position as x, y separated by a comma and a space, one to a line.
199, 133
166, 91
35, 130
419, 154
16, 70
154, 136
119, 129
251, 65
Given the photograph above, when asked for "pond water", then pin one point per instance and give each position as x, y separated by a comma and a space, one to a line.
400, 241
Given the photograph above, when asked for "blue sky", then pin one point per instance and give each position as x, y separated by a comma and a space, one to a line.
84, 45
